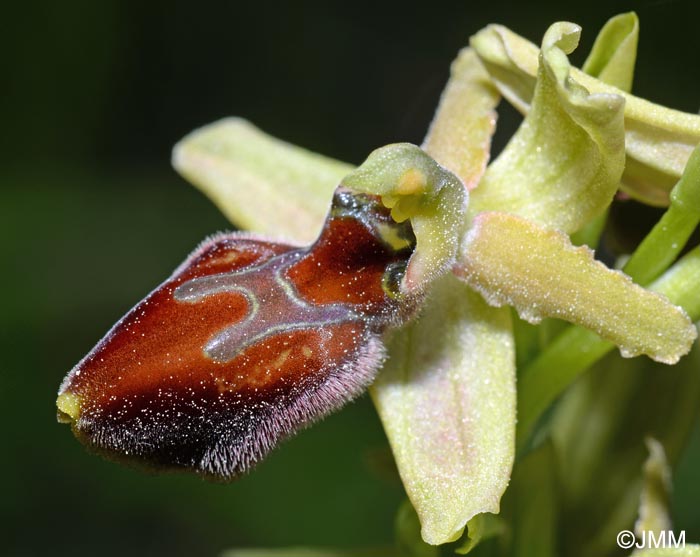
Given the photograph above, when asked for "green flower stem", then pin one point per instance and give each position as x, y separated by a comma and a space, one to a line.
662, 245
666, 240
575, 349
681, 283
572, 352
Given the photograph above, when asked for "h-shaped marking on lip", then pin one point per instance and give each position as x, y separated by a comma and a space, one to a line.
274, 305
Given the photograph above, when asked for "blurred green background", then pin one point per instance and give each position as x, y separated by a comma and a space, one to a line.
92, 217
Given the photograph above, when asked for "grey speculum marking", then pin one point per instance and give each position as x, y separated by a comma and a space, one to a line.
274, 305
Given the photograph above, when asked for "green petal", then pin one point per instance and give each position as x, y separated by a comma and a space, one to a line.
260, 183
614, 52
460, 134
513, 261
655, 500
417, 187
446, 397
658, 140
512, 62
563, 165
576, 349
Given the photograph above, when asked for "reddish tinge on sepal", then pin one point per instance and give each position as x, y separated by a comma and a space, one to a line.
247, 342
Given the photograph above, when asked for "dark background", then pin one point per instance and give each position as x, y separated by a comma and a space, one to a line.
94, 94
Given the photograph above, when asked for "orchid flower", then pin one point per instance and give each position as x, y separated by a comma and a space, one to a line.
471, 239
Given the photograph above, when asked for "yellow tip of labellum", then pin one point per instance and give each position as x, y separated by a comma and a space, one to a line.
68, 406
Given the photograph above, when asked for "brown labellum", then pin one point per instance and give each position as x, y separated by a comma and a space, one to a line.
247, 342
